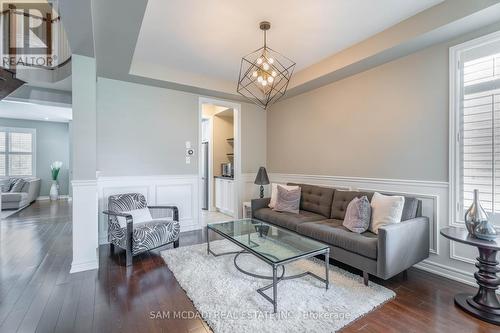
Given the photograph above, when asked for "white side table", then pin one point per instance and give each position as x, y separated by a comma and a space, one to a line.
247, 210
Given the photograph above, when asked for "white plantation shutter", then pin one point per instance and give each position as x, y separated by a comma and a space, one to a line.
17, 147
479, 131
3, 154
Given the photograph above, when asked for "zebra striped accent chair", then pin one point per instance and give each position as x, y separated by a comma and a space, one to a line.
136, 238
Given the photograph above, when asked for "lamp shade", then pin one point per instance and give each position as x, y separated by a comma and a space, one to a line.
262, 178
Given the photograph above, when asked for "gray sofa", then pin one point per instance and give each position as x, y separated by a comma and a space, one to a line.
28, 194
322, 210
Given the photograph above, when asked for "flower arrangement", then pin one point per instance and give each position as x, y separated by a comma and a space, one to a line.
55, 167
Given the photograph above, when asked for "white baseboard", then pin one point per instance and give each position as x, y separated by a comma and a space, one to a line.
447, 272
84, 266
46, 197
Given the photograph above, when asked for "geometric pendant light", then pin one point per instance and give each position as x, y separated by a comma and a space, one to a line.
264, 74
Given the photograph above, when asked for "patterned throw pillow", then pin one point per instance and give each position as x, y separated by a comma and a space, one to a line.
287, 200
17, 185
357, 215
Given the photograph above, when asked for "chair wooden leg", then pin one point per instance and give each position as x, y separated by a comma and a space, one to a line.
128, 257
111, 248
176, 243
366, 278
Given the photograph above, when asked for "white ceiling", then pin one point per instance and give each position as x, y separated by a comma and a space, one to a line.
33, 111
198, 42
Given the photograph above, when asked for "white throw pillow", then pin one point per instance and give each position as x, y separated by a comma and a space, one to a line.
386, 209
274, 192
138, 216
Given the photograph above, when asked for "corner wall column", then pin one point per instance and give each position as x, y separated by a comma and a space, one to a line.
84, 163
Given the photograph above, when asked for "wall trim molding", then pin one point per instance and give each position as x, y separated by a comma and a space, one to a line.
421, 183
84, 182
103, 179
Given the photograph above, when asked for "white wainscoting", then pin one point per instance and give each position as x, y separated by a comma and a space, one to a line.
446, 258
177, 190
85, 240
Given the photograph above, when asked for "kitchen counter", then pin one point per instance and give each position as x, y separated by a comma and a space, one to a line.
223, 177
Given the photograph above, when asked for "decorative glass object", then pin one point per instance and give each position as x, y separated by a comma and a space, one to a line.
485, 230
475, 215
264, 74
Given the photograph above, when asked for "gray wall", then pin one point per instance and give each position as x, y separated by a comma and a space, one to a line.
142, 130
83, 128
52, 144
388, 122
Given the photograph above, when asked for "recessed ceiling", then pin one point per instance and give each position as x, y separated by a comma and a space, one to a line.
34, 111
200, 43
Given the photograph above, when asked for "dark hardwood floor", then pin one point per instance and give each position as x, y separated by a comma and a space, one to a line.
37, 293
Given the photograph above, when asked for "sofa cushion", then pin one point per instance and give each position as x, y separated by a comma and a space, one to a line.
332, 232
13, 197
315, 199
284, 219
410, 209
341, 199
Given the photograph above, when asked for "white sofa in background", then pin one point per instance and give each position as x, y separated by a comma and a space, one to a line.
28, 194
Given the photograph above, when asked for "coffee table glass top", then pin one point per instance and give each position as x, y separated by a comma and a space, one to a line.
271, 242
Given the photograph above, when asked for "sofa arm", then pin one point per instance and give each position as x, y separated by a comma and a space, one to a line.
259, 203
401, 245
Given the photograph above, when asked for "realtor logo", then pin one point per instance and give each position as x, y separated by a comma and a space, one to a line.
27, 36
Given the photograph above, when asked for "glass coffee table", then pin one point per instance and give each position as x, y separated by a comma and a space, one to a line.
274, 245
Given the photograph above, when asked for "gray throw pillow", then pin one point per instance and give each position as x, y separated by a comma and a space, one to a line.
17, 186
287, 200
5, 185
358, 214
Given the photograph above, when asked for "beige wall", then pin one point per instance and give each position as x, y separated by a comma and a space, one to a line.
388, 122
253, 138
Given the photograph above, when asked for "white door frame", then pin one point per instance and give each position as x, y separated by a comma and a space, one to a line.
237, 152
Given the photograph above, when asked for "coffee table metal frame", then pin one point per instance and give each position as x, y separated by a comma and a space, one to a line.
274, 264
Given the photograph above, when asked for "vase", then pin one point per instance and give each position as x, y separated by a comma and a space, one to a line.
485, 230
54, 191
475, 215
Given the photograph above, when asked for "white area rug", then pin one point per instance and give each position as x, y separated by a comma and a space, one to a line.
228, 301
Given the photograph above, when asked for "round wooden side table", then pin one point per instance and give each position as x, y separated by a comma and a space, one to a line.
485, 304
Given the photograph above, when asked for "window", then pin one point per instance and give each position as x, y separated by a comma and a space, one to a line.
475, 126
17, 150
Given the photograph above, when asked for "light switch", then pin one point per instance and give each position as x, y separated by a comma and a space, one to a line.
188, 160
188, 144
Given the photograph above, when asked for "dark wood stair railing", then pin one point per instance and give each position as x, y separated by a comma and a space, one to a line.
8, 83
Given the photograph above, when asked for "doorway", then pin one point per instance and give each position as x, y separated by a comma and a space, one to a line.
219, 162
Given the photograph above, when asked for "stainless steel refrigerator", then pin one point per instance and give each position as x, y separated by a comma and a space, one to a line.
204, 175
